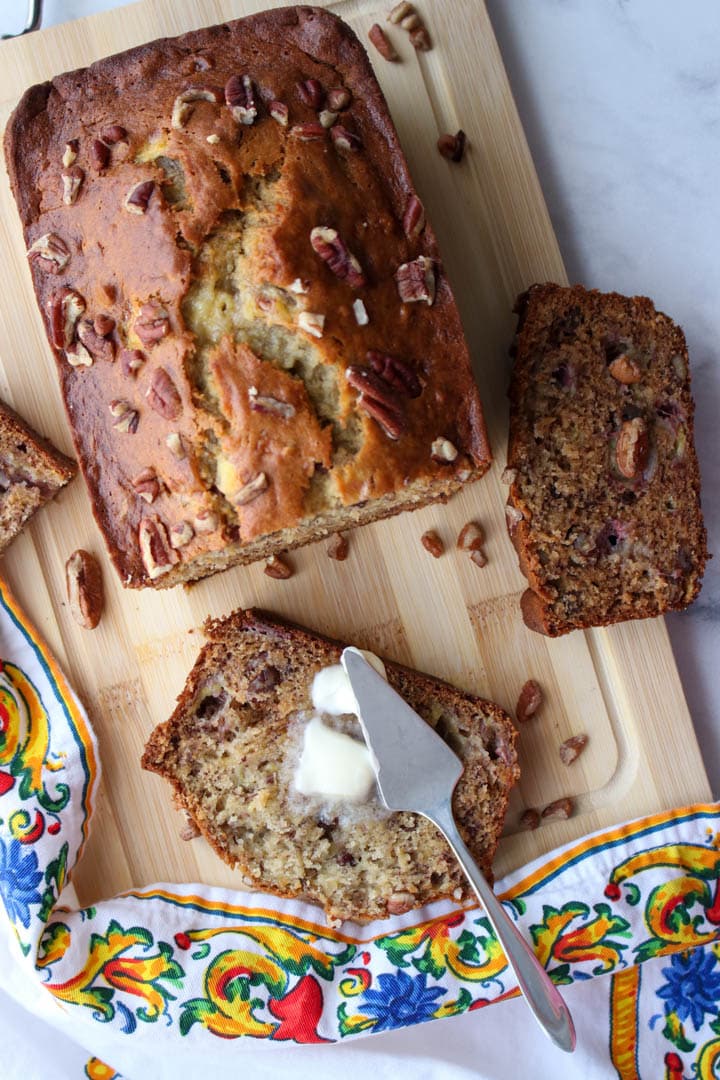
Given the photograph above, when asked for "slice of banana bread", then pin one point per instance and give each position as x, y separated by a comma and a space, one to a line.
604, 503
231, 747
32, 471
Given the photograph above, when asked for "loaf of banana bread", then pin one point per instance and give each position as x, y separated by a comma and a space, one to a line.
231, 748
32, 471
604, 503
255, 338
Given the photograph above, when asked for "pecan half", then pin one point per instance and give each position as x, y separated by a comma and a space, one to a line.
131, 360
64, 308
561, 809
529, 819
51, 251
416, 280
413, 218
338, 547
127, 418
71, 152
529, 701
240, 99
572, 748
99, 154
311, 93
310, 132
138, 197
279, 112
633, 447
83, 582
311, 323
344, 139
113, 134
184, 103
277, 568
625, 370
72, 179
395, 372
152, 323
157, 555
146, 485
452, 147
443, 451
382, 42
181, 533
432, 543
99, 347
262, 403
163, 395
378, 400
472, 537
338, 98
331, 248
250, 491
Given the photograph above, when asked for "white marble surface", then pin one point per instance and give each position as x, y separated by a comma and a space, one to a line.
621, 104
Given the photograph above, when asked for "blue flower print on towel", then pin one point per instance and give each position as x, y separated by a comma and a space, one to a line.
19, 879
692, 987
401, 999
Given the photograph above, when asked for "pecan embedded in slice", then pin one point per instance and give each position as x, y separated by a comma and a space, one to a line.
240, 99
443, 451
181, 533
382, 42
331, 248
338, 547
633, 447
71, 152
378, 400
432, 543
360, 312
131, 360
99, 154
72, 179
311, 323
413, 218
278, 568
310, 132
529, 701
250, 491
625, 370
157, 555
395, 372
147, 485
51, 251
184, 102
152, 323
65, 308
572, 748
163, 395
113, 134
279, 112
263, 403
311, 93
99, 347
416, 280
400, 902
103, 324
452, 147
509, 476
127, 418
338, 98
78, 356
205, 522
327, 118
138, 197
83, 582
344, 139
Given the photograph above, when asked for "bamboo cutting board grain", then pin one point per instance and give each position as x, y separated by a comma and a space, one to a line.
446, 616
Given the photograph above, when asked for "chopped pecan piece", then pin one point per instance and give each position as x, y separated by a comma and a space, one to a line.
250, 491
479, 558
163, 395
175, 445
205, 522
338, 98
452, 147
633, 446
213, 139
411, 21
378, 400
360, 312
413, 218
152, 323
509, 476
240, 99
189, 830
529, 819
310, 132
529, 701
181, 533
344, 139
138, 197
338, 547
327, 118
131, 360
472, 537
311, 323
561, 809
264, 404
382, 42
395, 372
443, 451
278, 568
127, 418
72, 179
625, 370
157, 555
184, 103
64, 308
572, 748
99, 154
113, 134
420, 39
432, 543
400, 11
416, 280
83, 581
99, 347
400, 902
147, 485
78, 356
279, 112
71, 152
311, 93
51, 251
332, 249
103, 324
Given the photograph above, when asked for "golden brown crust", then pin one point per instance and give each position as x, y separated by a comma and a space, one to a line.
261, 190
255, 640
604, 509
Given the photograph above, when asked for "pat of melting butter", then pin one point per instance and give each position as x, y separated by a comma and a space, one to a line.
334, 765
331, 689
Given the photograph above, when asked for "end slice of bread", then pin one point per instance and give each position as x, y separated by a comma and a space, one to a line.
231, 747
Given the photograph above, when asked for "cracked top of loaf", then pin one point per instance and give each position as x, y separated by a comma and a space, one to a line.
256, 342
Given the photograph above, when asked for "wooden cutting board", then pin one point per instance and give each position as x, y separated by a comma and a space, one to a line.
445, 616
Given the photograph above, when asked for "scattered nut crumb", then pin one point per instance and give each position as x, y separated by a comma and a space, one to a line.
529, 701
420, 40
452, 147
572, 748
472, 537
432, 543
561, 809
382, 42
479, 558
529, 819
276, 567
338, 547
